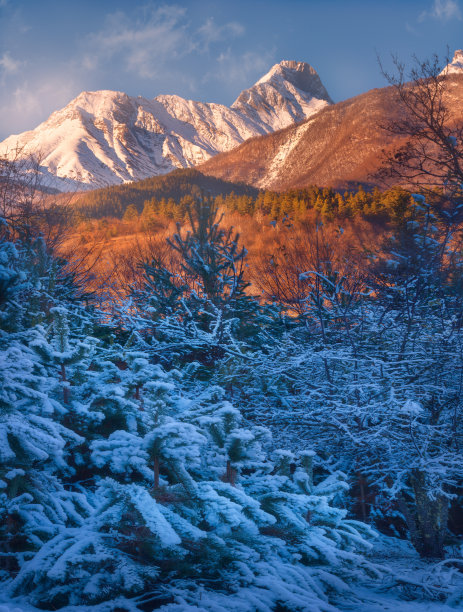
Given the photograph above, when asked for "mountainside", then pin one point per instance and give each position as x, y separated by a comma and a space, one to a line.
106, 137
277, 99
340, 146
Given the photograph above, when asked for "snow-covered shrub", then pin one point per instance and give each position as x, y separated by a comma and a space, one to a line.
372, 377
36, 432
191, 500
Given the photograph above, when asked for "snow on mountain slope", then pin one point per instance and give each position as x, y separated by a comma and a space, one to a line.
288, 93
282, 153
340, 146
456, 65
107, 137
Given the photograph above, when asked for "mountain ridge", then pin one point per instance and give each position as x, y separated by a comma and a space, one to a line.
341, 146
108, 137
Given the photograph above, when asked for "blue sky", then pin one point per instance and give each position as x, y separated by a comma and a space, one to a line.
206, 50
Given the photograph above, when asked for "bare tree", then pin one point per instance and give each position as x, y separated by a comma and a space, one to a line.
33, 210
419, 280
431, 126
29, 205
325, 251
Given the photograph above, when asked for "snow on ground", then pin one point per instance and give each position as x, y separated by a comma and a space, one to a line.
412, 585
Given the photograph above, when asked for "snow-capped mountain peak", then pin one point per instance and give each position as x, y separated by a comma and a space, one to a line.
456, 65
107, 137
289, 93
299, 74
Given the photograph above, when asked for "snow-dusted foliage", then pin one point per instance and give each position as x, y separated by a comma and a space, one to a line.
149, 468
201, 312
35, 440
373, 377
187, 499
123, 480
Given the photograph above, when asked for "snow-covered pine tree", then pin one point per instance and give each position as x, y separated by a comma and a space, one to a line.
202, 311
190, 505
372, 376
35, 440
186, 501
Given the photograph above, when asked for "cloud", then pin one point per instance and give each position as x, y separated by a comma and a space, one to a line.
142, 44
33, 99
410, 28
147, 43
442, 10
8, 65
150, 50
239, 71
210, 32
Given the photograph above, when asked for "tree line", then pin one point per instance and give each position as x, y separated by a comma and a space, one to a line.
390, 204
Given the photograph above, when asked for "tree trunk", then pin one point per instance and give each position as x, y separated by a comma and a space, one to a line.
427, 524
361, 498
231, 474
65, 386
431, 521
156, 472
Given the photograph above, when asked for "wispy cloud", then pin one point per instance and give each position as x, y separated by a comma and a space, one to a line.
142, 44
210, 32
241, 70
411, 29
152, 39
442, 10
32, 100
9, 65
149, 50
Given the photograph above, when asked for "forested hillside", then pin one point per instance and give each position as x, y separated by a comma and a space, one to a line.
113, 201
169, 196
278, 226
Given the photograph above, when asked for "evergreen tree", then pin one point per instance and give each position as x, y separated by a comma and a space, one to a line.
36, 430
373, 375
203, 311
131, 213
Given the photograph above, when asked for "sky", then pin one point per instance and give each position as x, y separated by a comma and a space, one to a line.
208, 50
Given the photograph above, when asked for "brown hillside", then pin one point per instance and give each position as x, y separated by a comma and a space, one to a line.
341, 145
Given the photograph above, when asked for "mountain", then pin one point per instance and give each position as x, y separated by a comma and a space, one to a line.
340, 146
280, 97
456, 65
107, 137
